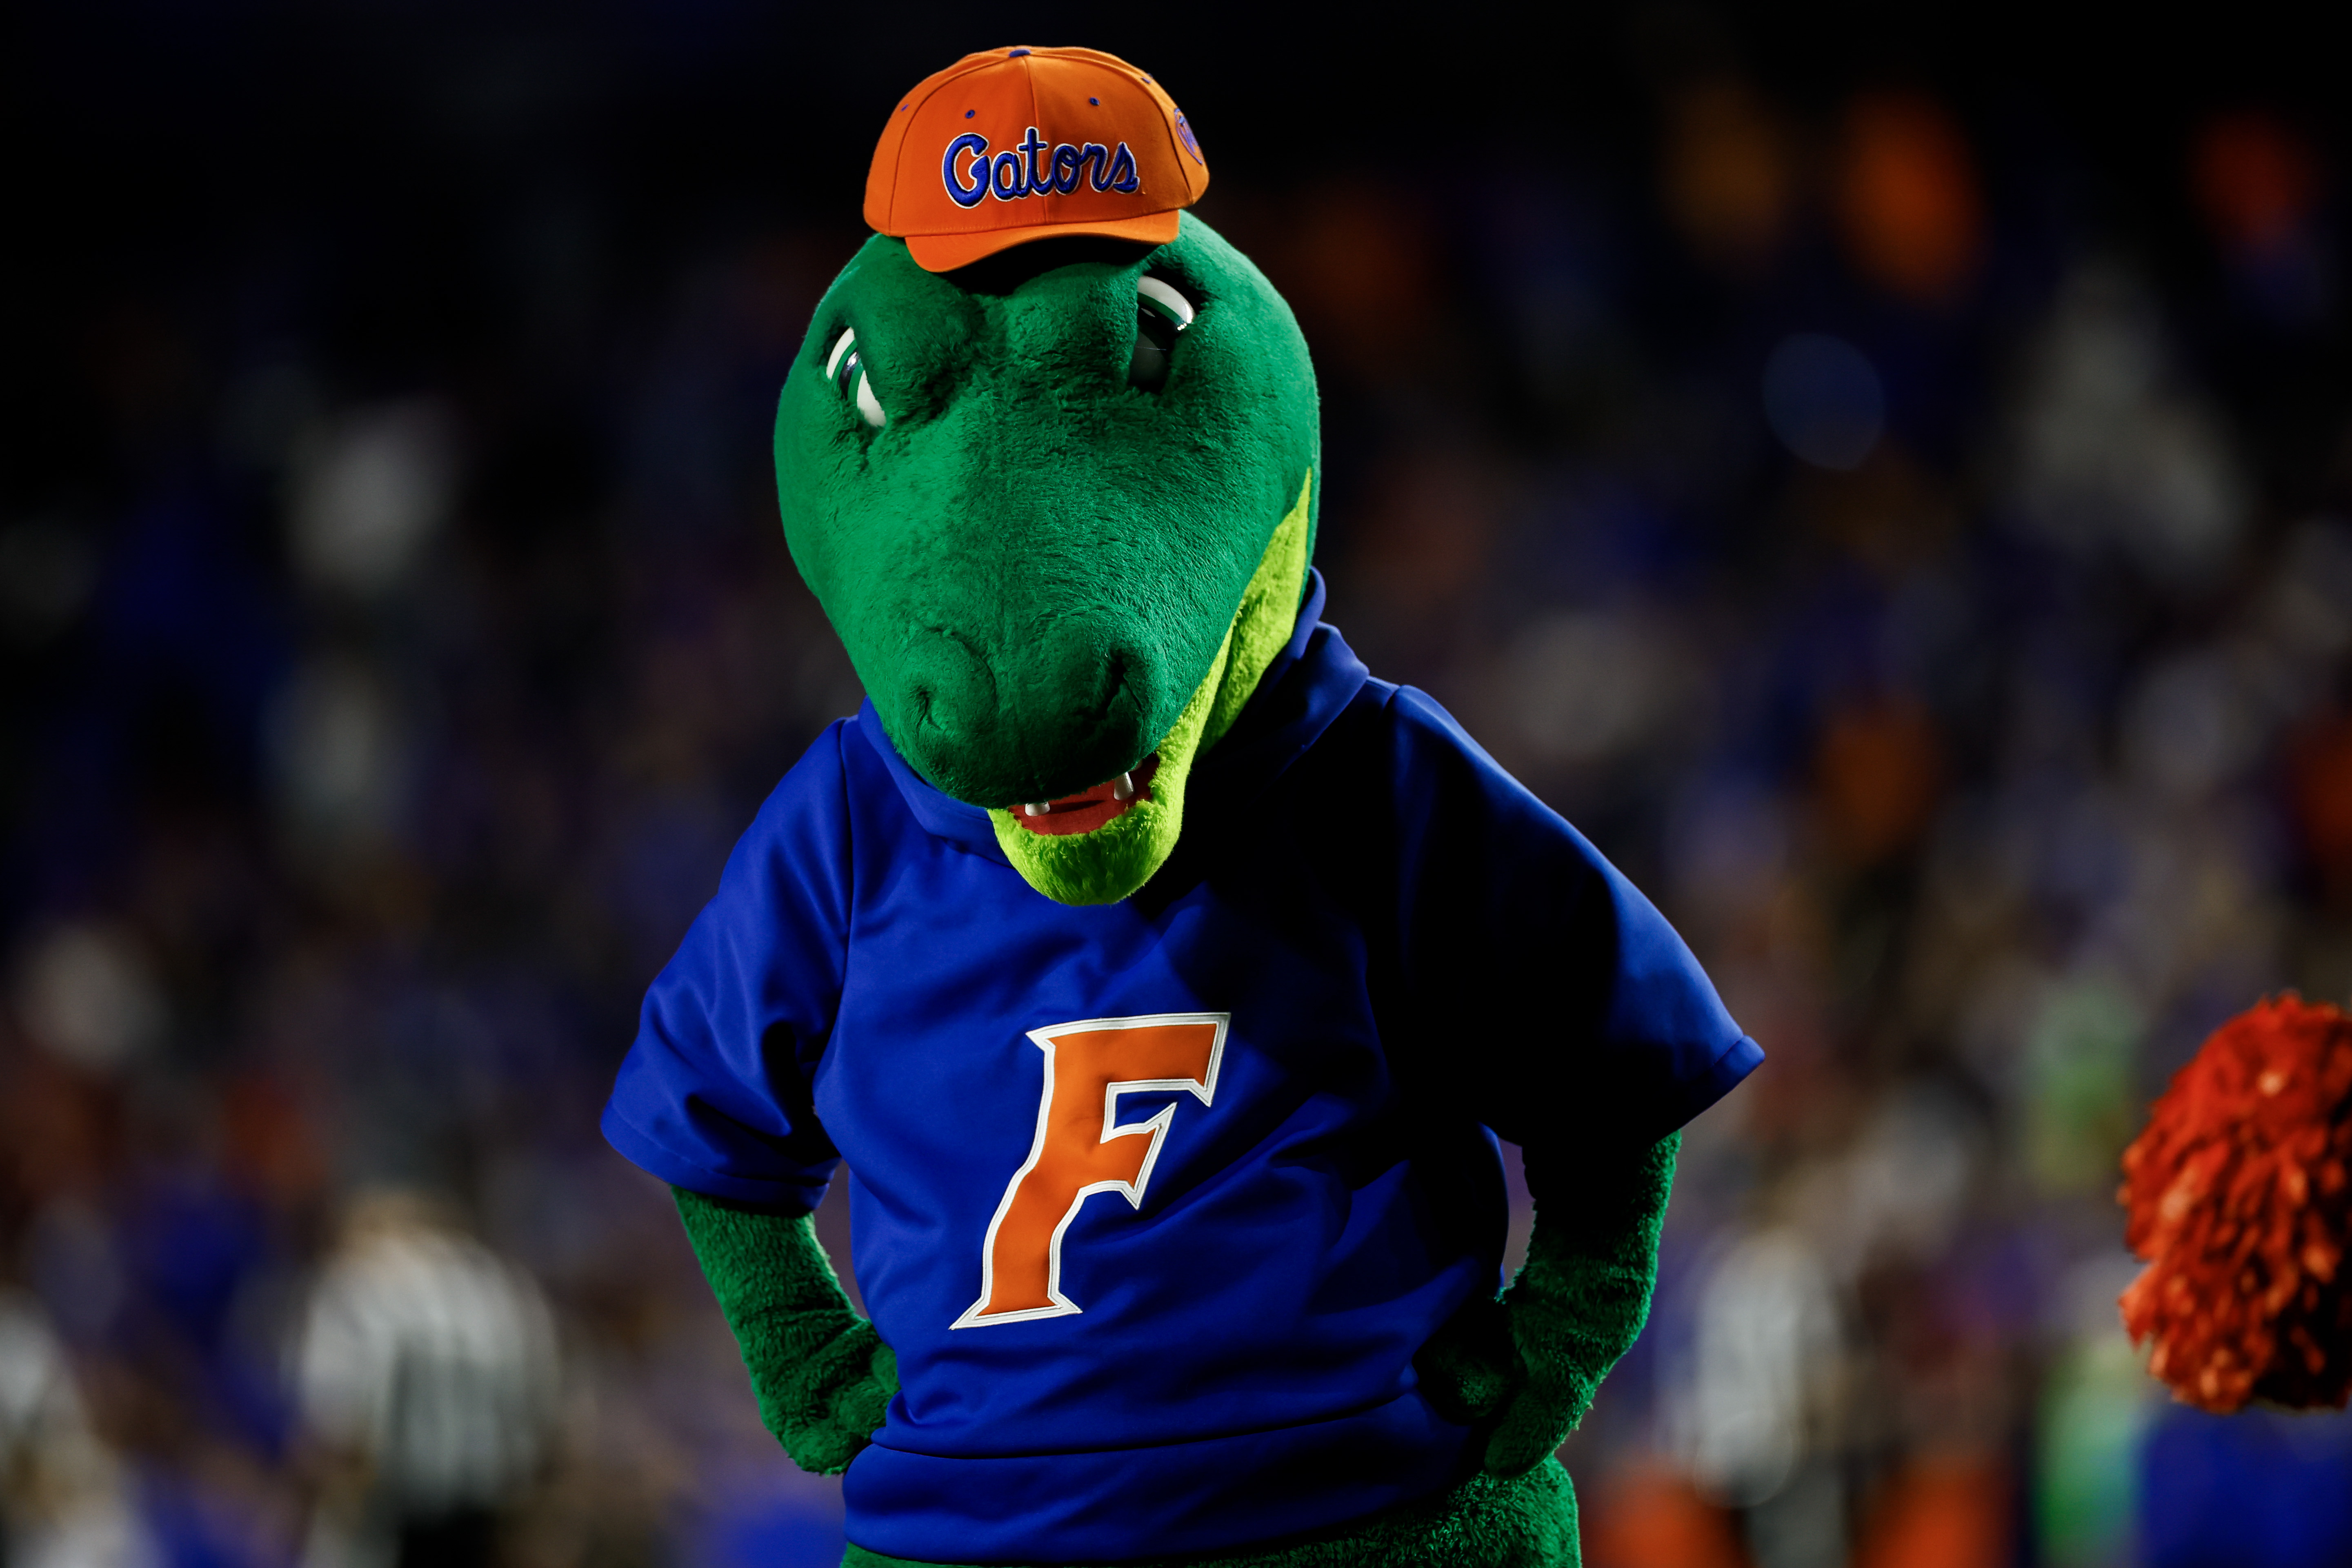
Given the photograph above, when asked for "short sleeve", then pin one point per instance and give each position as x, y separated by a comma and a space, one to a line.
715, 1094
1547, 990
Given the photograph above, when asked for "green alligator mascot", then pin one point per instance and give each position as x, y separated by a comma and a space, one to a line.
1163, 977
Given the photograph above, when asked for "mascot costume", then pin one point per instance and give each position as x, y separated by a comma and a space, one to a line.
1163, 977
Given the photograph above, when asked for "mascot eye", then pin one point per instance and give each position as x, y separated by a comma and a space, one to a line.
1160, 312
847, 372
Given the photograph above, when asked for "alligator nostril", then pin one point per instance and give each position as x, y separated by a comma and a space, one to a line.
1101, 733
1114, 683
948, 694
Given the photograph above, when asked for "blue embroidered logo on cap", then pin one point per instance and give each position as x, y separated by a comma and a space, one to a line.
1033, 167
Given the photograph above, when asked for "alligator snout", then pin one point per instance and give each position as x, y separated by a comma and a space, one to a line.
1034, 714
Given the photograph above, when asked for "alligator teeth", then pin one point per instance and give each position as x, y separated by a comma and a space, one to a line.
1040, 809
1125, 788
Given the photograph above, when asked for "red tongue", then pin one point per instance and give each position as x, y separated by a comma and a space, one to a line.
1089, 809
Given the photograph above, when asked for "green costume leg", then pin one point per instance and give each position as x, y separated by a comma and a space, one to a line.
1526, 1521
1524, 1367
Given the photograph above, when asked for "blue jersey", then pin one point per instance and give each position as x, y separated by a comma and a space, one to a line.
1155, 1201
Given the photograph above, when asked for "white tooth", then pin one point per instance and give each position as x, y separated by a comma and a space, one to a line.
1040, 809
1125, 788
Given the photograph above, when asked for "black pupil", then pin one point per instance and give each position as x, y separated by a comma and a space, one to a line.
1155, 335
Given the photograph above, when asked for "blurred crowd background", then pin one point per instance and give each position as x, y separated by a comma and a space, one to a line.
1887, 480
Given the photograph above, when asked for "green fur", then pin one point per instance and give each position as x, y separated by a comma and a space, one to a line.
823, 1376
1033, 564
1114, 860
1526, 1521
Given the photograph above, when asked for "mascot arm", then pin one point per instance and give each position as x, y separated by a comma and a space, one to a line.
821, 1373
1526, 1366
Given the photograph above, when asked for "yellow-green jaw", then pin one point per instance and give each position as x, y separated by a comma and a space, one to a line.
1118, 858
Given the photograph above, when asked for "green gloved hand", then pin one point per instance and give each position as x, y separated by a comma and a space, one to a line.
1525, 1367
823, 1375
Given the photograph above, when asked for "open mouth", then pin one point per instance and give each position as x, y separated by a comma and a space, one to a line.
1089, 809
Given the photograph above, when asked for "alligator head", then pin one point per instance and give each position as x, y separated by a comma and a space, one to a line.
1059, 505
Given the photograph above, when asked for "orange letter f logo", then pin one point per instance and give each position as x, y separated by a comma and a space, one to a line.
1081, 1148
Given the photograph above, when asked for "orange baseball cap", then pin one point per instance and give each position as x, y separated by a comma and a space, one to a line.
1011, 145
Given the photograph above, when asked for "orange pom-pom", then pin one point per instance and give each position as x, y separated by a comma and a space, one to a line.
2240, 1198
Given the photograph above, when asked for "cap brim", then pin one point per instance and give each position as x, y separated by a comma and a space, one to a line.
945, 252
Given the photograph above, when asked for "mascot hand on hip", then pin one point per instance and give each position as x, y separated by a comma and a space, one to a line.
1164, 977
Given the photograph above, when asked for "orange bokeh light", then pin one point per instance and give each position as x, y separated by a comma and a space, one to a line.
1907, 199
2254, 179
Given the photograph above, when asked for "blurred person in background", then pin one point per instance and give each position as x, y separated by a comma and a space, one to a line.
63, 1503
427, 1376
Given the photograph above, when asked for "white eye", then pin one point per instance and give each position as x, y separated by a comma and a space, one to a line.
1161, 313
844, 370
1160, 292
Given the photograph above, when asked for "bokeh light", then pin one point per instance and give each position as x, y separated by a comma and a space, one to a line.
1825, 400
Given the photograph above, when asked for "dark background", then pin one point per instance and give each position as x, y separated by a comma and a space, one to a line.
1883, 477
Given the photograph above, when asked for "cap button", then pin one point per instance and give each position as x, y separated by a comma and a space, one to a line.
1014, 54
